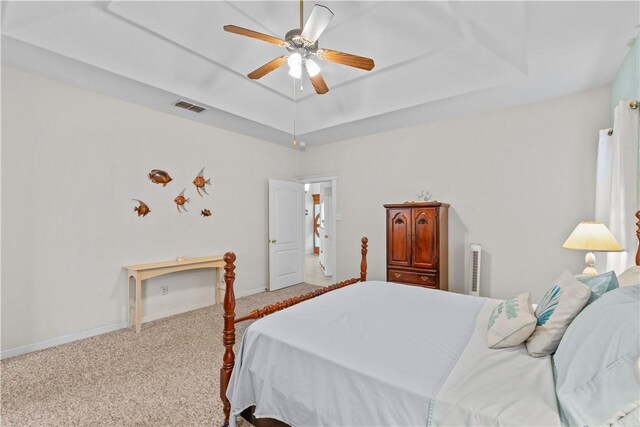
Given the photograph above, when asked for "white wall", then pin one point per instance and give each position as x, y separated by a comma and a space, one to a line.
518, 181
71, 162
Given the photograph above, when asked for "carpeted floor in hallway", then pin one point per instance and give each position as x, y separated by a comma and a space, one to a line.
165, 376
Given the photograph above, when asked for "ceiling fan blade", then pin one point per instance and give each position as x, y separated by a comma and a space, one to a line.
317, 22
319, 84
254, 34
268, 67
346, 59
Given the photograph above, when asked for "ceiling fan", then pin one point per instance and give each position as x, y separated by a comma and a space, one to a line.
302, 44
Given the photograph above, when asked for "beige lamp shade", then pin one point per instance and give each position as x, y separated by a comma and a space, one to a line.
592, 236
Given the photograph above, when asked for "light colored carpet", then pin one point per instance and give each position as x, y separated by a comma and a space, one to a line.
166, 376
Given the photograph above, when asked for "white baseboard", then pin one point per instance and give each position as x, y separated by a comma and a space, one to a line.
60, 340
17, 351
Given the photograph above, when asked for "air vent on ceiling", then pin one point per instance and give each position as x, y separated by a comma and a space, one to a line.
189, 106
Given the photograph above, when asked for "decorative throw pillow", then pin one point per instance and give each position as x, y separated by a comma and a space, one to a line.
511, 322
599, 284
555, 312
630, 277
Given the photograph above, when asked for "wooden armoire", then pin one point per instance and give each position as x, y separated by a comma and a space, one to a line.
417, 244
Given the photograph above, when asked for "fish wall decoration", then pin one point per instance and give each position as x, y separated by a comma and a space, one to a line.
158, 176
181, 200
200, 182
142, 208
205, 212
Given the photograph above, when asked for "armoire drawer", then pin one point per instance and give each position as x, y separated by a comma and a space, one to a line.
421, 279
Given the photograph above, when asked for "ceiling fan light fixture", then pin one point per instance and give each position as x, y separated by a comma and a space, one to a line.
301, 43
312, 67
295, 72
295, 65
295, 60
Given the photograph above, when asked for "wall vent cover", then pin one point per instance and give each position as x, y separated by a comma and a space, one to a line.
189, 106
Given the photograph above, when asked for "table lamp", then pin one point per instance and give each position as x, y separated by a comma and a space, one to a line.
592, 236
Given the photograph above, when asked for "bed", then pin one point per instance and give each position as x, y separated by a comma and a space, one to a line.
379, 353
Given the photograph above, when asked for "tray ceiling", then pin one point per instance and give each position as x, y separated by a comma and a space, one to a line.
433, 59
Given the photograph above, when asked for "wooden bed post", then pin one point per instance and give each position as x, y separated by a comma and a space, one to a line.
638, 235
363, 262
229, 335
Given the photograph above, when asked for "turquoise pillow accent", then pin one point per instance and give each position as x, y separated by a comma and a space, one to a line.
559, 306
596, 362
600, 284
548, 304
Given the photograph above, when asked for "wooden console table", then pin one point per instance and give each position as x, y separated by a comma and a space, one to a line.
140, 272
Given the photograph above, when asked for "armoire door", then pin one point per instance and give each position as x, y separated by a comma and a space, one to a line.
424, 237
399, 237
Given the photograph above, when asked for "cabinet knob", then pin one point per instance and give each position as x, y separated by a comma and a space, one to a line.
398, 275
424, 278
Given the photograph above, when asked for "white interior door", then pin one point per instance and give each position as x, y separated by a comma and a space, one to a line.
328, 233
286, 233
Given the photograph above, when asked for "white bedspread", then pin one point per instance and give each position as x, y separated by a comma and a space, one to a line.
504, 387
373, 353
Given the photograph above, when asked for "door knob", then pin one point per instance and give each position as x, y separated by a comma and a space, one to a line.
272, 241
326, 237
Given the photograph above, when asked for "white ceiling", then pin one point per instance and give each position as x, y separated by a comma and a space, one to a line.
434, 60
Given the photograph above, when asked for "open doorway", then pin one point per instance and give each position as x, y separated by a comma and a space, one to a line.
319, 260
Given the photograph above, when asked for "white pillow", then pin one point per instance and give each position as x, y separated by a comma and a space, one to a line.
630, 277
511, 322
555, 312
597, 376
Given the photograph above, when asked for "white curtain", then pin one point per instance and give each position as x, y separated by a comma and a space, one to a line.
616, 185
